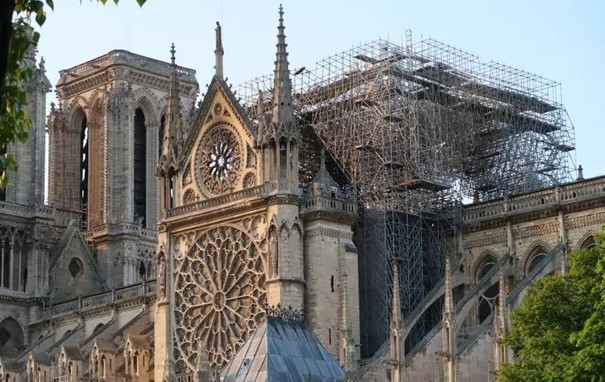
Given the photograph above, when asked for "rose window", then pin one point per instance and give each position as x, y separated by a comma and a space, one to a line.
219, 296
219, 160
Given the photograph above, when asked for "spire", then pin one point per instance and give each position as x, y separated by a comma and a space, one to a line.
172, 128
283, 114
218, 52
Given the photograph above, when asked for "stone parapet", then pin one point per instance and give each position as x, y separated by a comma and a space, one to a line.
99, 300
551, 198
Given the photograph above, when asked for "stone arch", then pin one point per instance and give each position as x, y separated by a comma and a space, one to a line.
479, 267
586, 241
12, 338
533, 255
77, 114
150, 105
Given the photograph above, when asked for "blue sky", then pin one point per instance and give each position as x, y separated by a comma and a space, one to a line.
560, 40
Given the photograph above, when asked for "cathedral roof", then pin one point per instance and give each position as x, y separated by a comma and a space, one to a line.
73, 352
282, 350
104, 344
40, 357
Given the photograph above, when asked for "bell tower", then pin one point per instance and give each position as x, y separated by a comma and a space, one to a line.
105, 145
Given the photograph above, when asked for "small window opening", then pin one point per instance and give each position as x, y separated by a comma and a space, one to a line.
332, 283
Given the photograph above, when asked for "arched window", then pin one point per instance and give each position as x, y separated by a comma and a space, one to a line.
589, 242
171, 177
135, 363
161, 135
11, 337
5, 259
534, 258
140, 166
142, 271
487, 300
84, 155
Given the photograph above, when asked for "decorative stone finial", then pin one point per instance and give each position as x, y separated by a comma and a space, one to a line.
218, 51
172, 54
580, 173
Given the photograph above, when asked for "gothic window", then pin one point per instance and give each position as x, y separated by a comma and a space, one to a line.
6, 264
589, 242
84, 155
219, 160
140, 166
161, 135
488, 299
142, 271
220, 291
171, 177
534, 258
11, 337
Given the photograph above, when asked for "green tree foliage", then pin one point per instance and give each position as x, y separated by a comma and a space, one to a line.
16, 36
558, 332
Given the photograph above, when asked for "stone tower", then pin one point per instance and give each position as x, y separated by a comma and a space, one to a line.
27, 185
25, 225
331, 265
104, 148
277, 142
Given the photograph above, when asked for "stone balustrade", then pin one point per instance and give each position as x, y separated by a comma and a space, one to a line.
222, 200
98, 300
551, 197
120, 228
26, 211
327, 203
117, 57
185, 377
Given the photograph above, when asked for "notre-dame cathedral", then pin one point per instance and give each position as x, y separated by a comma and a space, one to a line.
185, 241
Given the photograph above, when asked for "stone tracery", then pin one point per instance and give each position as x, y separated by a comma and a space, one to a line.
219, 294
219, 160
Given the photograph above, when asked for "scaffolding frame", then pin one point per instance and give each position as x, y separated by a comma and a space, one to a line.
415, 129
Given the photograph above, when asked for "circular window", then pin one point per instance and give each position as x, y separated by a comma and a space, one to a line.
219, 160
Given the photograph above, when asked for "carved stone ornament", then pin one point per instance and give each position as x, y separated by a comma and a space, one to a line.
219, 160
219, 296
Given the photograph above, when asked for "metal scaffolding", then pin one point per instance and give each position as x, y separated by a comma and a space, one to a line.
414, 130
